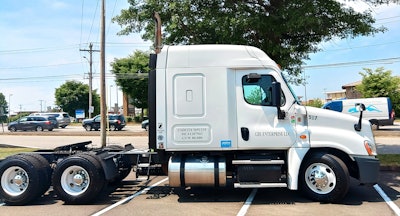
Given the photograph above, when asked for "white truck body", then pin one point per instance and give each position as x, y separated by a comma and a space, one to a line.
216, 100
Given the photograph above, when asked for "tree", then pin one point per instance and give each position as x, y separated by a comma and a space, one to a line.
3, 108
380, 83
132, 76
315, 103
287, 30
73, 95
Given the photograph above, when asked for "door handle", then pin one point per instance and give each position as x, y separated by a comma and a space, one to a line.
245, 133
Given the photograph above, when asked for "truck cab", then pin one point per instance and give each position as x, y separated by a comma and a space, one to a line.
226, 111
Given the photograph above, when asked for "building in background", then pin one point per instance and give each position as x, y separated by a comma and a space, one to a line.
351, 91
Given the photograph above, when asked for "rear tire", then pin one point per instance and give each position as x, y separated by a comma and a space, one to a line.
324, 178
21, 179
45, 170
78, 179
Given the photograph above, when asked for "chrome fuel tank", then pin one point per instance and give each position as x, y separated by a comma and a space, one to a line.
188, 170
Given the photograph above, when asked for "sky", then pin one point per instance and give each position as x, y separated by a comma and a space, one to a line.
41, 41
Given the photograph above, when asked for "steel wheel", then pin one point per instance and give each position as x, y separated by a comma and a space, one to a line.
20, 179
112, 128
15, 181
75, 180
324, 177
78, 179
320, 178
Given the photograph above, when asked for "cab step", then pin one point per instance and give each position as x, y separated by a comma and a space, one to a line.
257, 162
259, 185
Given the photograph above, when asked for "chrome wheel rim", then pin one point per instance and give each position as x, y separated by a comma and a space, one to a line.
320, 178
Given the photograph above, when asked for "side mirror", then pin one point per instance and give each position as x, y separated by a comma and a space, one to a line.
276, 99
360, 107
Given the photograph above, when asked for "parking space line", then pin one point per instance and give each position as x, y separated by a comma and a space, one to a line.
388, 201
248, 202
128, 198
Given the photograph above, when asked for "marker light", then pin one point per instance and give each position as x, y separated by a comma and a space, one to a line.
371, 149
303, 136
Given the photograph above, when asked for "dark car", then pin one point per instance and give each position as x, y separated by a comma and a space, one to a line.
115, 122
38, 123
62, 118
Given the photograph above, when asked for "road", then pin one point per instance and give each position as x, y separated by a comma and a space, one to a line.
134, 197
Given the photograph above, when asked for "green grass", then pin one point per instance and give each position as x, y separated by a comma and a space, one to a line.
389, 159
4, 152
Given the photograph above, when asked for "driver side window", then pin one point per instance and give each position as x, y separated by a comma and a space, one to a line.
258, 91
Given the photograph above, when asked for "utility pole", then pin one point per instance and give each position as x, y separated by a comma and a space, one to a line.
103, 105
90, 50
41, 105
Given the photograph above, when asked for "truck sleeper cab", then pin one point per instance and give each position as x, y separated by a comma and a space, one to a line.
225, 111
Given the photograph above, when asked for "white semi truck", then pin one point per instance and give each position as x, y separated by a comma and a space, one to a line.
219, 116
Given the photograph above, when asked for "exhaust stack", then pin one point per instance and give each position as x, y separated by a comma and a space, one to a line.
157, 41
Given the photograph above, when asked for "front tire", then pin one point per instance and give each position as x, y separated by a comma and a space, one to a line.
13, 129
78, 179
88, 127
324, 178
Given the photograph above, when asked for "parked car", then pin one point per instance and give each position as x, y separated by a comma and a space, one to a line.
38, 123
115, 122
63, 118
145, 124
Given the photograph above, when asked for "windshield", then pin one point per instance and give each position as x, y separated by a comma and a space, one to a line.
291, 90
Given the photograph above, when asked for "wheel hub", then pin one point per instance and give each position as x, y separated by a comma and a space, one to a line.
18, 179
320, 179
78, 179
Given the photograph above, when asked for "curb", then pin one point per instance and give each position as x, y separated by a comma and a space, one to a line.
392, 168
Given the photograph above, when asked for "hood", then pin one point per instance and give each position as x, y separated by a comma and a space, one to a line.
334, 129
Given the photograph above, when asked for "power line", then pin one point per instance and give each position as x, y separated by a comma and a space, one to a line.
355, 63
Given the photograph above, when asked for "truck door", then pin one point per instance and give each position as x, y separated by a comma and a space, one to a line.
258, 123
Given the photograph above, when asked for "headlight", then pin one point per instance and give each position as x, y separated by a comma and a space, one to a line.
371, 148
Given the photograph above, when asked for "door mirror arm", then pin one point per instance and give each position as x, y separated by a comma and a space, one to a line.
276, 99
